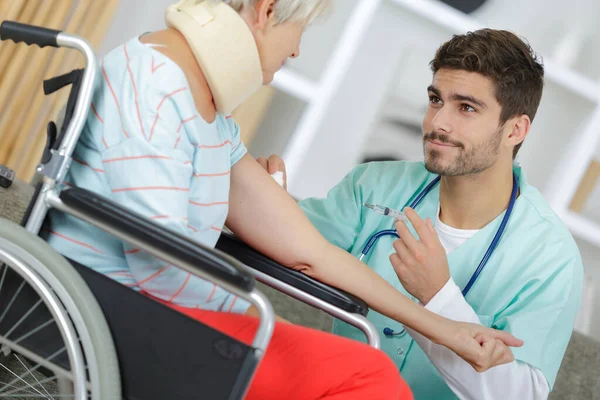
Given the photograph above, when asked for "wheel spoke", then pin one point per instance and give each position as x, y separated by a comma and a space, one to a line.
35, 368
23, 318
32, 374
12, 300
22, 380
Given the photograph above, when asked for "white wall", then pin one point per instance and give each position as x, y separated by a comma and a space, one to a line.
136, 16
330, 156
317, 45
589, 313
133, 17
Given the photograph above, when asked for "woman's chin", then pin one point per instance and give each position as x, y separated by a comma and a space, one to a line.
268, 77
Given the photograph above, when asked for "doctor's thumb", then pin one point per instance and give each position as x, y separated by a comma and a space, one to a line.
507, 338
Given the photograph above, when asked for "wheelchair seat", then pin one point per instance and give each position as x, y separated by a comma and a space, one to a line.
164, 354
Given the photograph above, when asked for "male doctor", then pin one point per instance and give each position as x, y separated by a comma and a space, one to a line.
485, 92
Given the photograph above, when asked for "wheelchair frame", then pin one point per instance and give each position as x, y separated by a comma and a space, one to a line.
344, 306
56, 168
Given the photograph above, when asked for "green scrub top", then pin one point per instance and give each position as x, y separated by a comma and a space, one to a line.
530, 287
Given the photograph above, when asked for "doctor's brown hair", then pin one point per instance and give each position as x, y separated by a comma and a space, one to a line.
511, 64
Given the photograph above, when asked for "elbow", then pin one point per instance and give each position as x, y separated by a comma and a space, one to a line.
305, 268
314, 263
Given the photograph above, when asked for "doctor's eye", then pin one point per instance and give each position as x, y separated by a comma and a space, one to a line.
467, 108
433, 99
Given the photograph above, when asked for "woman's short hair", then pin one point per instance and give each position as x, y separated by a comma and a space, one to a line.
303, 11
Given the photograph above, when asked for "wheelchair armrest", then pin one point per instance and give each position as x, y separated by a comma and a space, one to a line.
153, 235
253, 259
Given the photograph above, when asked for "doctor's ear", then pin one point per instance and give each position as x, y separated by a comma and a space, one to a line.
519, 128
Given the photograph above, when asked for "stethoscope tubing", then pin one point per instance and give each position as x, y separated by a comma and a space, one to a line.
415, 203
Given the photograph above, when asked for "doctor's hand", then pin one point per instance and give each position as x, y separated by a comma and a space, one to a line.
272, 165
481, 347
421, 264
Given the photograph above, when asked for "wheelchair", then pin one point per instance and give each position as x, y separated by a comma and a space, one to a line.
67, 331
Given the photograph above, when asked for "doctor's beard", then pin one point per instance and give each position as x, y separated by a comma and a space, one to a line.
466, 162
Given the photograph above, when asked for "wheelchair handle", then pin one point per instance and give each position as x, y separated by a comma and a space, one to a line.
30, 34
56, 168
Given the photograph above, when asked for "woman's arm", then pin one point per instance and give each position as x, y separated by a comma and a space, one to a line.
263, 215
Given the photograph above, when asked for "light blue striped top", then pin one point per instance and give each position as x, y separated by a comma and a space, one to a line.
145, 146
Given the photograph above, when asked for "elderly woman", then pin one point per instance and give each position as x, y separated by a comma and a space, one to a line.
160, 139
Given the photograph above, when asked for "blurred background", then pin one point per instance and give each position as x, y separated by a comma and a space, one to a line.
356, 93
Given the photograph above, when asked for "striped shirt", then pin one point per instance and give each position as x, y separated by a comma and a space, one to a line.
145, 146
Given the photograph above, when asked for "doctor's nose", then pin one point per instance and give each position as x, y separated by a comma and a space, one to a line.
442, 122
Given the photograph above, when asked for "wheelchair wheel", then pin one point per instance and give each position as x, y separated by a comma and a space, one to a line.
54, 340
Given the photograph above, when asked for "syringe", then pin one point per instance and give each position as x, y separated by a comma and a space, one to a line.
386, 211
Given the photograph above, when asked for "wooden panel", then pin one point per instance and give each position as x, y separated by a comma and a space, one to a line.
24, 108
586, 186
10, 11
92, 27
22, 92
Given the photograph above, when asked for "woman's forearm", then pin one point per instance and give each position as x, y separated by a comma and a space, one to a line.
268, 219
263, 215
340, 269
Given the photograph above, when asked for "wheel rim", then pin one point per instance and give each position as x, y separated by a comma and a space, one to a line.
19, 261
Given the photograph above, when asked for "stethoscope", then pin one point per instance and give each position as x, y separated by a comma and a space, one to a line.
392, 232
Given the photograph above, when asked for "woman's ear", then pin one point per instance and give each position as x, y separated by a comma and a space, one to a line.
265, 10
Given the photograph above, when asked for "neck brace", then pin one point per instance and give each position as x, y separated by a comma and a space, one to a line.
224, 49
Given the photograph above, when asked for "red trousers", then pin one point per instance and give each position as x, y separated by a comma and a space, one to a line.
306, 364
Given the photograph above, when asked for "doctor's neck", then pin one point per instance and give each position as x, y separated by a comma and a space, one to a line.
473, 201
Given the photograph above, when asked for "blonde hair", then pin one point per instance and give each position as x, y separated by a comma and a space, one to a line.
303, 11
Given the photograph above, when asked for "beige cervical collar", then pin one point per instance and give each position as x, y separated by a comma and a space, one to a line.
224, 48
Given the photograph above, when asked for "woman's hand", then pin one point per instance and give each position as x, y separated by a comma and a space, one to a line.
481, 347
272, 165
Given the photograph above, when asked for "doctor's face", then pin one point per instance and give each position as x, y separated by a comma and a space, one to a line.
461, 132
